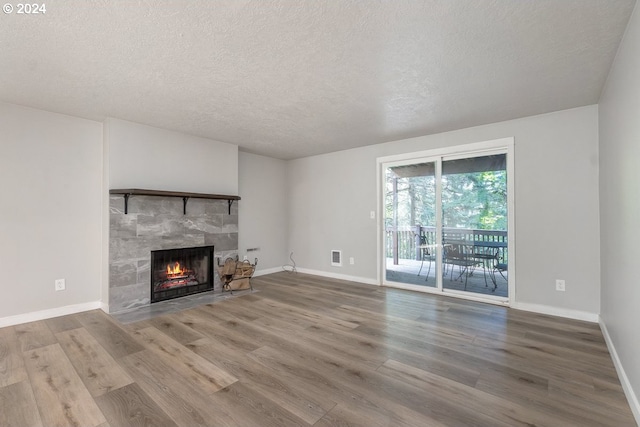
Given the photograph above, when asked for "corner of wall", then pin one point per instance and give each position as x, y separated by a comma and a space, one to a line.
632, 398
104, 285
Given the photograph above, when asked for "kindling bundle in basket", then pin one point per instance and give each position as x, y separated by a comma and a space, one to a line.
235, 274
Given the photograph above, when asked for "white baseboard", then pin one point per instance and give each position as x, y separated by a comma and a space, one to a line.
632, 398
47, 314
339, 276
555, 311
267, 271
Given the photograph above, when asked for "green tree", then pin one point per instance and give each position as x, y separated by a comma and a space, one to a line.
475, 200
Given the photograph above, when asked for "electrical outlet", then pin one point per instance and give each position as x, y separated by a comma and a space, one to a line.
560, 285
60, 285
352, 260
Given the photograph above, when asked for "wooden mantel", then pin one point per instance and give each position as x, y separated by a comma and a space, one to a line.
128, 192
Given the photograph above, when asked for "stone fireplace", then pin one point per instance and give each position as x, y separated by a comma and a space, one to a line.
154, 224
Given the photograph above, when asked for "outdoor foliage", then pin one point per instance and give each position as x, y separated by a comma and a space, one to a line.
475, 200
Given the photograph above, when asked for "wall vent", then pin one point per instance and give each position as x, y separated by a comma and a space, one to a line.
336, 258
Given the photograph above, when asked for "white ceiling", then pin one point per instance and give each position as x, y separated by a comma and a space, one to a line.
293, 78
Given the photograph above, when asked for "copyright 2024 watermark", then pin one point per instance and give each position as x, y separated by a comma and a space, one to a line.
25, 8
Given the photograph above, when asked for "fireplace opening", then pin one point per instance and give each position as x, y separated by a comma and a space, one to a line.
180, 272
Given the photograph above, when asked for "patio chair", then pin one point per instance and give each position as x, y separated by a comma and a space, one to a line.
457, 254
427, 252
499, 267
495, 267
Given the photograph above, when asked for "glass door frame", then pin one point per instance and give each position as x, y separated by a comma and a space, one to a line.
436, 160
437, 156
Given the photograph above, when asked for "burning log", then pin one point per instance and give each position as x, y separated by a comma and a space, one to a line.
173, 282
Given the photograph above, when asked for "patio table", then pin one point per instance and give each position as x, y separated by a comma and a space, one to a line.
481, 253
472, 253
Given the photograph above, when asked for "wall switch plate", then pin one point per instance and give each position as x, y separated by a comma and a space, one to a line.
60, 285
352, 260
372, 214
560, 285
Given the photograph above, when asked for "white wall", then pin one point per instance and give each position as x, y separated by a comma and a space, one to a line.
620, 207
51, 218
147, 157
263, 211
556, 213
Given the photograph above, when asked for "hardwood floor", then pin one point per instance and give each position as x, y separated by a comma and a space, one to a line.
306, 350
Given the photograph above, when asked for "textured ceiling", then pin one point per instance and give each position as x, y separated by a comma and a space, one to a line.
292, 78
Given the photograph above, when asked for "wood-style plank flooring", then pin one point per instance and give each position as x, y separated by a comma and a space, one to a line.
311, 351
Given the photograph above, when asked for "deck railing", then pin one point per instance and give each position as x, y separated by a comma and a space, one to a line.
404, 242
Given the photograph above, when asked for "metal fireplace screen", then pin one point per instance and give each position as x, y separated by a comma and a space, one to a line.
179, 272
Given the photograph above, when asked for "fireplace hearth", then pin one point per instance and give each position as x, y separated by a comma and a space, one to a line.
180, 272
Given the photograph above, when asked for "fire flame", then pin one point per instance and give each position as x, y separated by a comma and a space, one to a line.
175, 270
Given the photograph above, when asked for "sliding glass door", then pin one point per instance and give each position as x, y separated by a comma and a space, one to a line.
474, 224
410, 223
446, 224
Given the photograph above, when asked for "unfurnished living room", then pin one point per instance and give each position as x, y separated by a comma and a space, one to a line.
320, 213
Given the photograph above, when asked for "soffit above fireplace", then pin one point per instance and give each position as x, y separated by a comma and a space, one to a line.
159, 193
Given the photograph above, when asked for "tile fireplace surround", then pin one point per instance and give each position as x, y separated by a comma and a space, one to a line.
154, 223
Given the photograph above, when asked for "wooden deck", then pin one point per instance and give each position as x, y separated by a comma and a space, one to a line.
309, 351
407, 272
